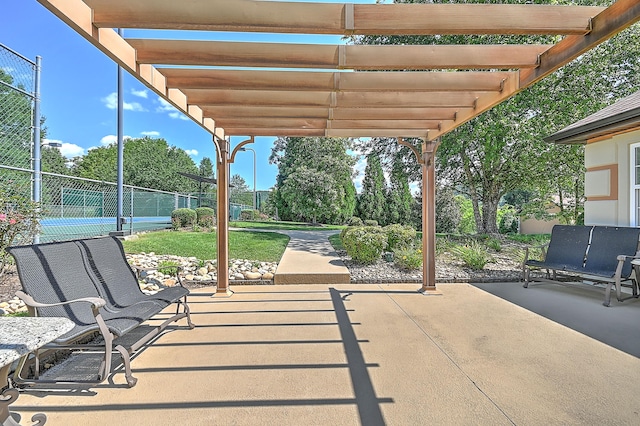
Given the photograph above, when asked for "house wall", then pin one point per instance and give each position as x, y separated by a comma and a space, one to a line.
607, 180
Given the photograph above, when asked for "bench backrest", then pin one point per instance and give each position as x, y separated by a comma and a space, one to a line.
117, 283
568, 245
607, 242
53, 273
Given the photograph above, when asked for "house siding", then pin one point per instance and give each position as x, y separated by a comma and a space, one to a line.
607, 180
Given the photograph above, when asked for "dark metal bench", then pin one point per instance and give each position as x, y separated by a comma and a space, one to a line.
90, 282
600, 254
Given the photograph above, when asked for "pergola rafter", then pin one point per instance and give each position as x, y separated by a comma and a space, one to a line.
421, 91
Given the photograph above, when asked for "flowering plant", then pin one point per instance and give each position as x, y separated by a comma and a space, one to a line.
19, 223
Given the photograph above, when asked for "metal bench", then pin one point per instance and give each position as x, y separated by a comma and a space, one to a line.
598, 254
90, 282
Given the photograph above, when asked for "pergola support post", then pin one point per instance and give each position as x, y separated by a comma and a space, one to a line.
222, 219
429, 218
426, 159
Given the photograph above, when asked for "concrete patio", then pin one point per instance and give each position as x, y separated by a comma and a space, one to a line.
368, 354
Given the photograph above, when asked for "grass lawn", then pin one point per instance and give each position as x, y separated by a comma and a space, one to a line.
336, 242
285, 226
261, 246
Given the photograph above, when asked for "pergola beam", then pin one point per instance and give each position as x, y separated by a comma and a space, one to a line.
342, 19
320, 124
243, 111
322, 56
209, 97
190, 78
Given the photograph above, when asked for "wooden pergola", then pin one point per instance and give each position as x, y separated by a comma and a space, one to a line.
417, 91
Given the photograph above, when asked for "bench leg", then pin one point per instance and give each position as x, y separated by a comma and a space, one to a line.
525, 276
126, 360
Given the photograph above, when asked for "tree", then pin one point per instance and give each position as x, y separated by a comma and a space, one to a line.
399, 199
502, 150
372, 201
148, 163
239, 192
330, 199
53, 161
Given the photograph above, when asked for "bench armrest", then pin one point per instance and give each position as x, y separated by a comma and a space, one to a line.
96, 302
540, 246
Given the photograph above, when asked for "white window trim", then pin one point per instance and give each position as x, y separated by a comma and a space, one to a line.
633, 202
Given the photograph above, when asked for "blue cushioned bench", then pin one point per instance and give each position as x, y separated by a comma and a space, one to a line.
599, 254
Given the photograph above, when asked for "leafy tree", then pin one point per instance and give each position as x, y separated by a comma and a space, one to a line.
448, 214
399, 199
299, 158
372, 200
239, 191
148, 163
53, 161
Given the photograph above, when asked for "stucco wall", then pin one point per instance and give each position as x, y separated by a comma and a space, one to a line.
607, 185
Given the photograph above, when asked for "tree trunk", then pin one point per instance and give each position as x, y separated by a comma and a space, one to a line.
490, 214
475, 201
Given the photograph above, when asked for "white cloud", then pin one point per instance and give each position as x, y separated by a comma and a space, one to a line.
178, 115
173, 112
140, 93
68, 150
191, 152
109, 139
152, 133
71, 150
111, 102
359, 167
164, 106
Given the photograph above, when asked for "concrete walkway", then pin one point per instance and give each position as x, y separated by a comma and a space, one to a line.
363, 354
310, 259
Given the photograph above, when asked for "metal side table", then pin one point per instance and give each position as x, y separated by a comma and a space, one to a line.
18, 337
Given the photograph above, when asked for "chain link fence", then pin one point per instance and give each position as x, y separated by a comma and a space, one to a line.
71, 207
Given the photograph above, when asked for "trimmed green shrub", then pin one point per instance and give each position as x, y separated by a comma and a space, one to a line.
474, 255
408, 258
250, 215
399, 236
364, 244
370, 222
183, 217
354, 221
205, 216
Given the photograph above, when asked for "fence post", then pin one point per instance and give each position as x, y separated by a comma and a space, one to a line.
37, 154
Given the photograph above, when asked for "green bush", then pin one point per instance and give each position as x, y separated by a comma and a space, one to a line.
370, 222
183, 217
354, 221
474, 255
168, 267
250, 215
408, 258
507, 220
19, 223
399, 237
205, 216
364, 244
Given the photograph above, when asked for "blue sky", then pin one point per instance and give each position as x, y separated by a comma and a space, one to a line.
78, 90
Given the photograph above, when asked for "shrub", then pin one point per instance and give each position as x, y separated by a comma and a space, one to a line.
185, 217
494, 243
249, 215
399, 237
473, 254
364, 244
205, 216
507, 220
168, 267
354, 221
370, 222
408, 258
19, 223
